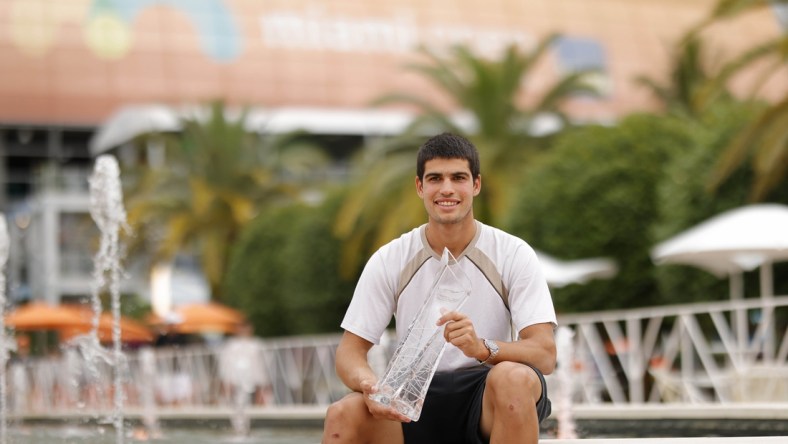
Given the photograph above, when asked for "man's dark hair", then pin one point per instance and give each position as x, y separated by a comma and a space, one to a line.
448, 146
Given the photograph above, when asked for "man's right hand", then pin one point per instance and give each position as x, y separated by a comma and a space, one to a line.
376, 409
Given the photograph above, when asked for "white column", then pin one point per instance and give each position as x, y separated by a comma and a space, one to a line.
50, 247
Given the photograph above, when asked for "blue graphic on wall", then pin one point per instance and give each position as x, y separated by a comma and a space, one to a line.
218, 34
578, 54
582, 54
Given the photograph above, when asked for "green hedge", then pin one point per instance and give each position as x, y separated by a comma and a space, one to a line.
685, 201
595, 194
599, 191
618, 191
283, 272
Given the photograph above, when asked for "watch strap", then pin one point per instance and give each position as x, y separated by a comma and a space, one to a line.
493, 352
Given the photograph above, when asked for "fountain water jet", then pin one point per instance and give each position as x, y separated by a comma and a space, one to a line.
149, 419
563, 374
5, 345
106, 209
242, 371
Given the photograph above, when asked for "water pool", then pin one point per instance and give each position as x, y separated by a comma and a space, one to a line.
106, 435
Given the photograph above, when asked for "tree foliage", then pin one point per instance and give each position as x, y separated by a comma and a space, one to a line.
694, 83
621, 190
218, 175
283, 271
763, 143
487, 90
697, 82
685, 201
594, 195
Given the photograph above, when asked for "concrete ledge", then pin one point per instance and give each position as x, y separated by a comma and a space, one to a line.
738, 422
685, 420
712, 440
304, 416
761, 411
758, 411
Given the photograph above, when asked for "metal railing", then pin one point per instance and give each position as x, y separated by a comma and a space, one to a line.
720, 352
707, 352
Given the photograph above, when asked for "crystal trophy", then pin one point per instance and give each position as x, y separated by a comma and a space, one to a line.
407, 377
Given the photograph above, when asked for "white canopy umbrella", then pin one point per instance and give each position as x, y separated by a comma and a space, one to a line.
562, 273
131, 121
134, 120
733, 242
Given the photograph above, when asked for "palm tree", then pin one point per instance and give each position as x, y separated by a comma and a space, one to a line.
764, 142
218, 177
383, 203
695, 83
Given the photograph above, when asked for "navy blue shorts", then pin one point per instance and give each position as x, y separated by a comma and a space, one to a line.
453, 408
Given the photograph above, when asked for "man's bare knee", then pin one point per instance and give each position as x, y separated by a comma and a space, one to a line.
343, 418
349, 421
507, 380
335, 413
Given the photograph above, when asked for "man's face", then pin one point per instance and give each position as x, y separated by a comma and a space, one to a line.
448, 189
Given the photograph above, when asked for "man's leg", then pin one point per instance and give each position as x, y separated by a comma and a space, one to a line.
349, 421
509, 413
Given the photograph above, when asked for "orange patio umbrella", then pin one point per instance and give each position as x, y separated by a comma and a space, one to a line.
201, 317
71, 320
42, 316
131, 331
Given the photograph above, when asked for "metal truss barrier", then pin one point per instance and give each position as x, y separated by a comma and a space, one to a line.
719, 352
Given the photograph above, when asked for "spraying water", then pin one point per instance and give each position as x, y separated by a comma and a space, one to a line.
5, 348
242, 371
563, 373
148, 397
106, 209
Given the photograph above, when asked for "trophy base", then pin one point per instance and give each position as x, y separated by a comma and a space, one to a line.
411, 411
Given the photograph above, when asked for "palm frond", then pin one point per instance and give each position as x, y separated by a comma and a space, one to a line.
218, 177
766, 141
486, 88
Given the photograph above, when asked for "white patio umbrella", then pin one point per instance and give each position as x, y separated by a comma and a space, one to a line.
132, 121
732, 242
560, 273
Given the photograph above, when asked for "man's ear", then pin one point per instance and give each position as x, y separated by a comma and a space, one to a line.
477, 185
419, 187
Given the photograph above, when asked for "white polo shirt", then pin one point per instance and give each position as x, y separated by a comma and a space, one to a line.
398, 278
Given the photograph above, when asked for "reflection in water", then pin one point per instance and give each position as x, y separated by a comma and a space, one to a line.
104, 435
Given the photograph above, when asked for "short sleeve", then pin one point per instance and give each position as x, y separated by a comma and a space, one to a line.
529, 296
372, 307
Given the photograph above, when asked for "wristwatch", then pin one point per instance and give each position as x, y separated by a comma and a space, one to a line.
492, 347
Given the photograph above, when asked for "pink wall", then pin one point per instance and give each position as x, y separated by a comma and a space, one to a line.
77, 61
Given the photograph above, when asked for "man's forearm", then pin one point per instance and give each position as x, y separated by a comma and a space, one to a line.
352, 366
353, 373
536, 347
539, 355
